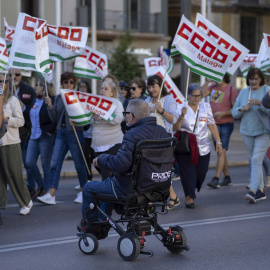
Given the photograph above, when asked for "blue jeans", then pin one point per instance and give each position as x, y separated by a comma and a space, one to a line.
256, 148
94, 187
42, 146
30, 178
225, 131
66, 140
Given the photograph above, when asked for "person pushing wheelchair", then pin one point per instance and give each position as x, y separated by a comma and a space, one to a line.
139, 126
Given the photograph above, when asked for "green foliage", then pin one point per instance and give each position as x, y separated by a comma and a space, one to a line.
123, 63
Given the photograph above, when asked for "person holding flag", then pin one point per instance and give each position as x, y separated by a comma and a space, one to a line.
195, 118
41, 139
65, 140
11, 171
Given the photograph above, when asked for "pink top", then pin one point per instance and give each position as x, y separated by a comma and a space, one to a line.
221, 100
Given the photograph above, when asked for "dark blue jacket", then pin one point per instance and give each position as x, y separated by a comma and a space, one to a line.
46, 125
145, 128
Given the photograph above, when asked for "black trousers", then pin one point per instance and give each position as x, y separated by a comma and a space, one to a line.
89, 155
192, 176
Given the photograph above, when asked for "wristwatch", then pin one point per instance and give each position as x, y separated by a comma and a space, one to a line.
162, 111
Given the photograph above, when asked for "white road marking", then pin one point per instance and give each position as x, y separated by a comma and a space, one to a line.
185, 224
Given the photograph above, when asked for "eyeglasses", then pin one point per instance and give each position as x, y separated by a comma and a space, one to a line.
196, 96
16, 74
6, 81
125, 113
68, 82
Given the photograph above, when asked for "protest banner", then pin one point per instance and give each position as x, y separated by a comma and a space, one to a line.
81, 106
3, 55
237, 50
263, 61
92, 64
200, 53
66, 42
170, 85
26, 40
9, 33
249, 61
152, 63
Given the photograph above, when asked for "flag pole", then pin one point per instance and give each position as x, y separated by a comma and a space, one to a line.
46, 89
188, 74
81, 150
164, 78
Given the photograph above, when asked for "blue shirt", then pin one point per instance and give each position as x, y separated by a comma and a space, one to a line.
36, 131
251, 125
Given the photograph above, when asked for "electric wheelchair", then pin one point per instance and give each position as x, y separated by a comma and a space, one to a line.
149, 184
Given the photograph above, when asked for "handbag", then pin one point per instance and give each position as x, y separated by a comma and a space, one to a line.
182, 145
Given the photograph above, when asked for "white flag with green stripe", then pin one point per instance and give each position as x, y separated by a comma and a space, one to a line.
263, 61
81, 106
249, 61
9, 33
3, 55
237, 50
66, 42
200, 53
152, 64
29, 48
92, 64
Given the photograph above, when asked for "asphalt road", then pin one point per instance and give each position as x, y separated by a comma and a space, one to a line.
224, 232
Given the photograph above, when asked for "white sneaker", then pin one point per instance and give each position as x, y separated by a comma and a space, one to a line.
78, 187
79, 198
47, 199
26, 209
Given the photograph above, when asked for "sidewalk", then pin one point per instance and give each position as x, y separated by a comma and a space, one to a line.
237, 156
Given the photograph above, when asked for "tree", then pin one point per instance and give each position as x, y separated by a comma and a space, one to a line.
124, 64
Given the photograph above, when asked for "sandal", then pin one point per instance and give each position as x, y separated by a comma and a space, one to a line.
175, 203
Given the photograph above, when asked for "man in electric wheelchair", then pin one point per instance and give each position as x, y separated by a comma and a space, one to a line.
139, 186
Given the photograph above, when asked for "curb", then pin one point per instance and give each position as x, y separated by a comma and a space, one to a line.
72, 174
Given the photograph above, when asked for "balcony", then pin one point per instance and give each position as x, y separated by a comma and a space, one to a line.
109, 20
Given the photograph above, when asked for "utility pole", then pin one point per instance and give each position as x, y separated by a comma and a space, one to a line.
94, 38
58, 67
185, 10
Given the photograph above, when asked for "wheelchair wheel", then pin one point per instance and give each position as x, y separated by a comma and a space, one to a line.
128, 247
92, 246
175, 249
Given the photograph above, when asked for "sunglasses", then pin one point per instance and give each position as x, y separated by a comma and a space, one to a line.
68, 82
6, 81
123, 88
125, 113
133, 88
16, 74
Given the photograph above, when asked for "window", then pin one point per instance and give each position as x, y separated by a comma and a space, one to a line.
133, 14
248, 33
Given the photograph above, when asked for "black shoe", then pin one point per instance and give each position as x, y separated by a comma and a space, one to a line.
214, 183
190, 205
250, 197
260, 195
226, 181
